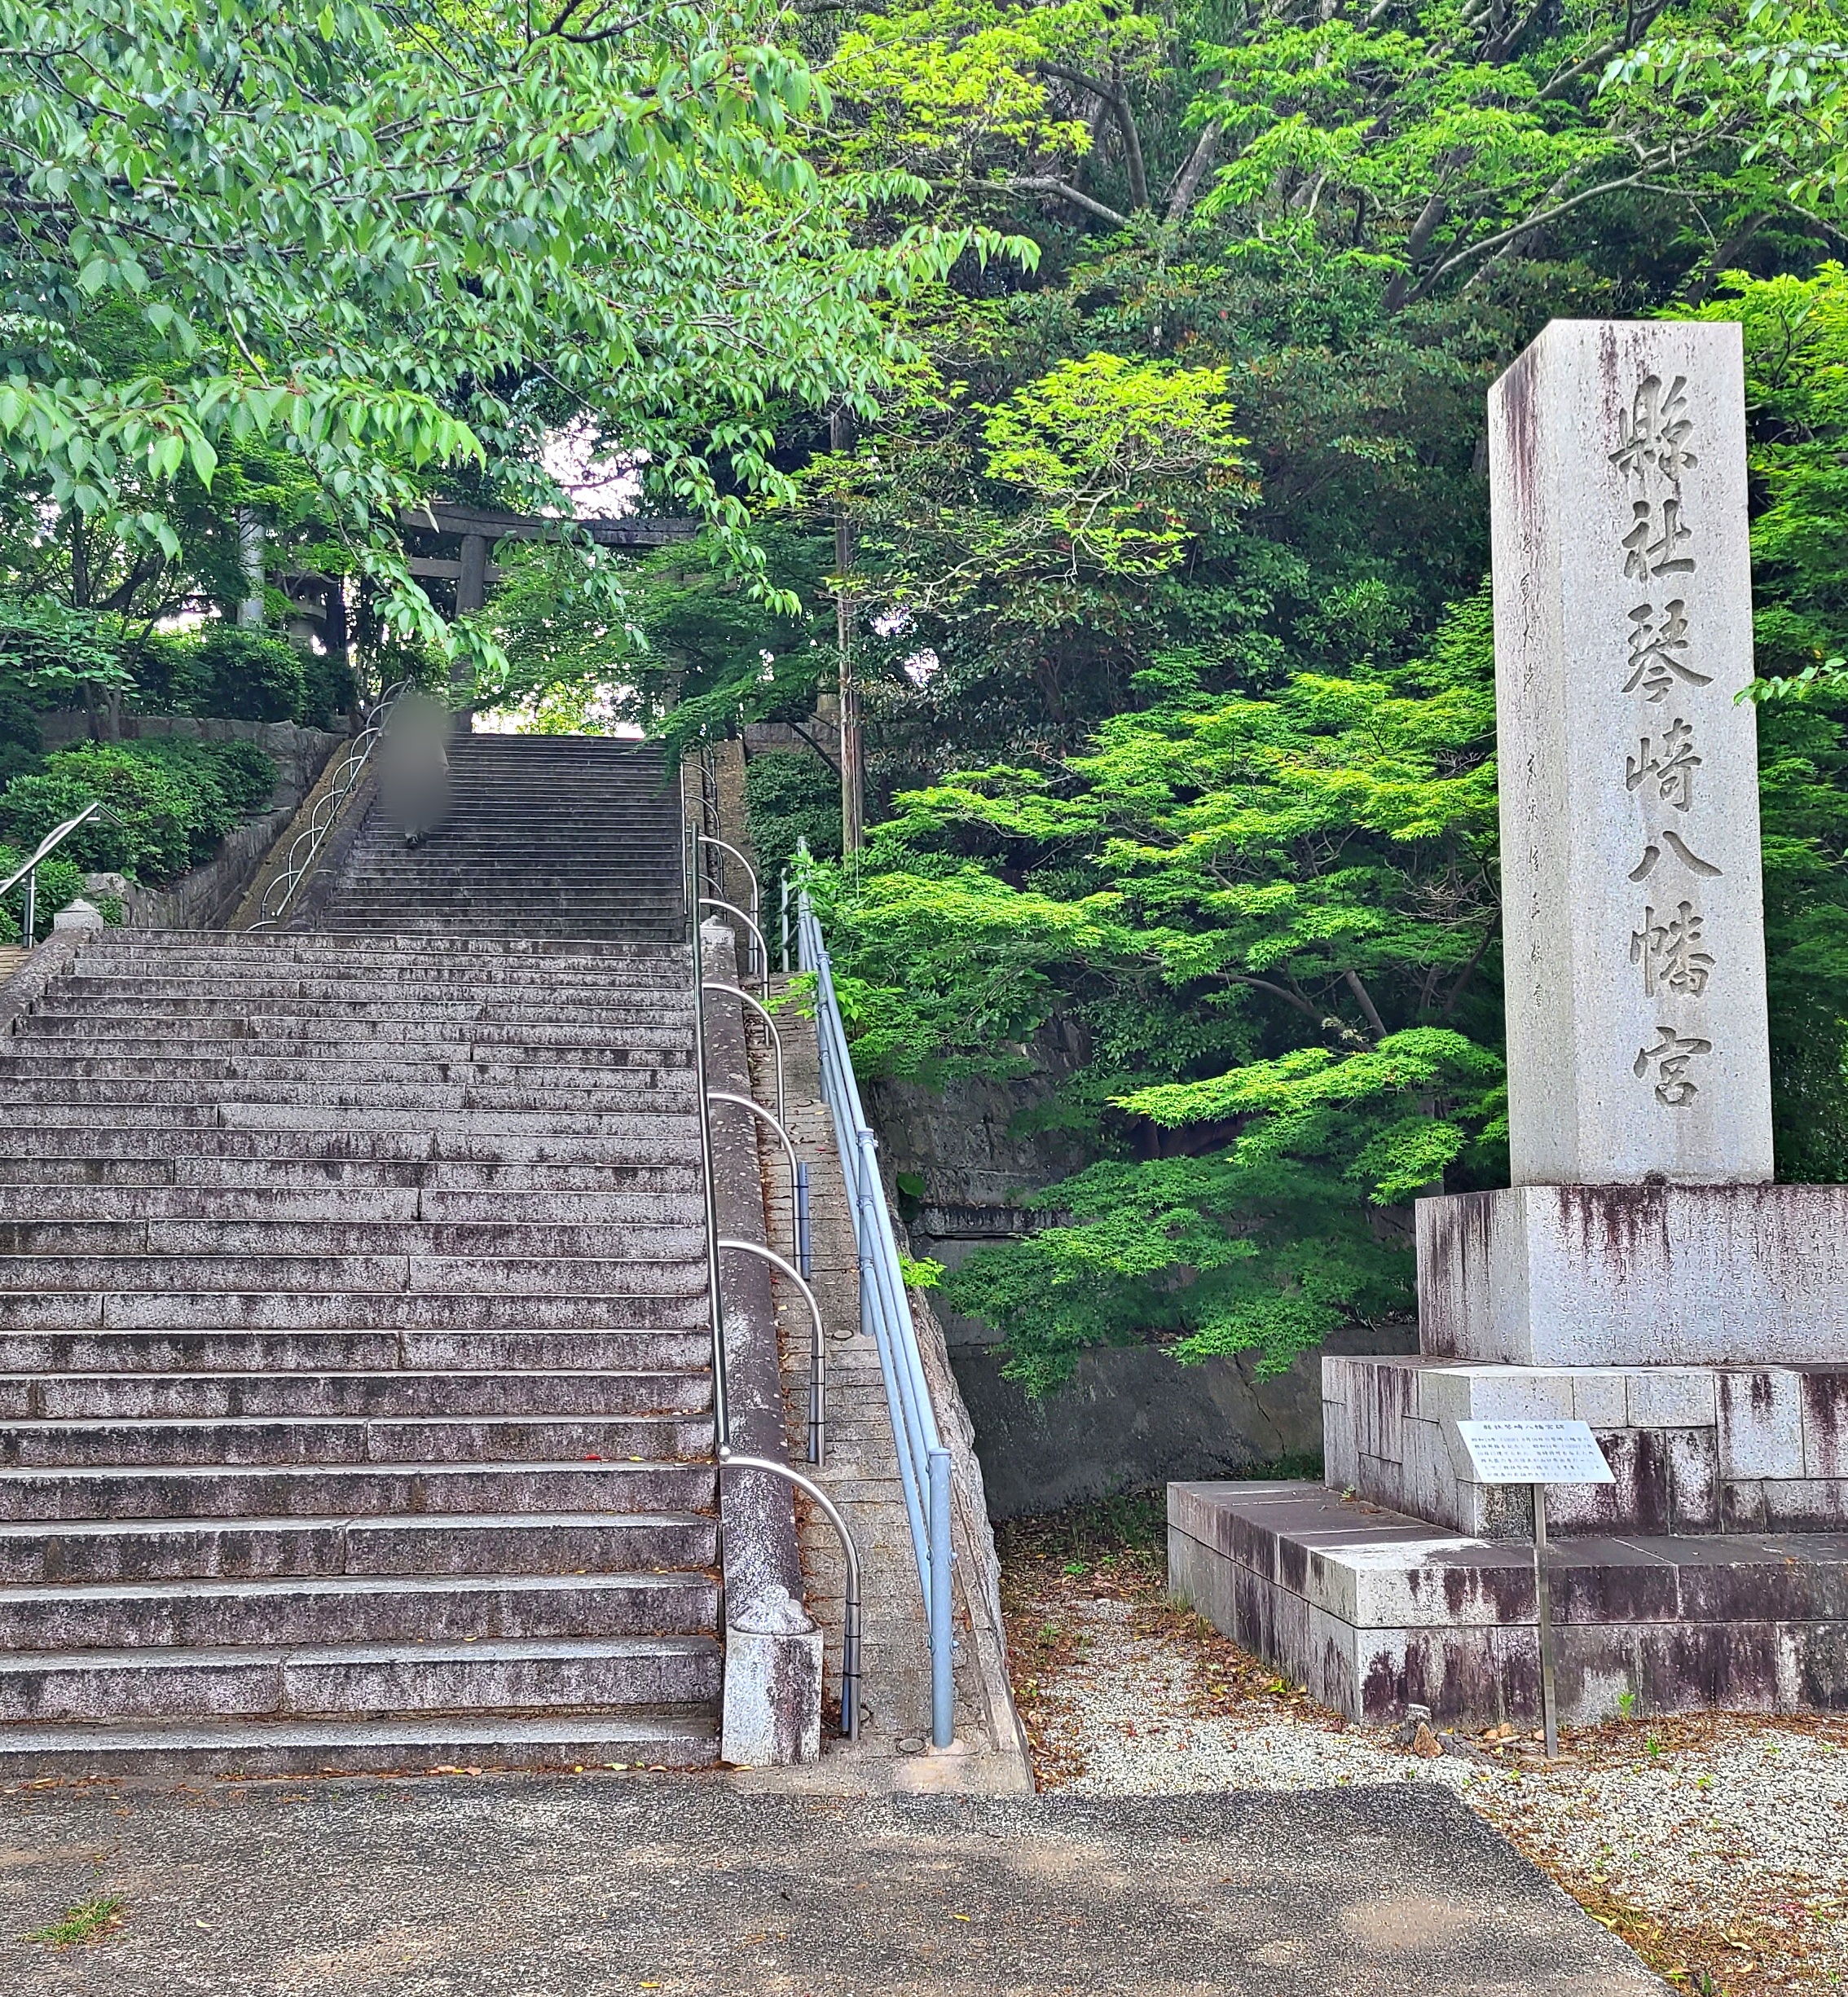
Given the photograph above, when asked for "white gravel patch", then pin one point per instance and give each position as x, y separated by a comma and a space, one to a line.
1132, 1725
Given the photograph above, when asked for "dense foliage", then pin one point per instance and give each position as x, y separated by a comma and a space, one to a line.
171, 801
1184, 731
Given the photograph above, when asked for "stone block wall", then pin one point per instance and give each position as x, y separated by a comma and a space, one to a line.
1695, 1450
1371, 1611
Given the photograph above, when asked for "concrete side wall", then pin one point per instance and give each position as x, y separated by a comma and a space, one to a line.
1372, 1611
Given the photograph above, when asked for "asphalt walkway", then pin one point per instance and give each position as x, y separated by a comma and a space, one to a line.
559, 1887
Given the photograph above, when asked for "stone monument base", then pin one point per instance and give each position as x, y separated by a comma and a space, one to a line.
1694, 1449
1372, 1610
1655, 1274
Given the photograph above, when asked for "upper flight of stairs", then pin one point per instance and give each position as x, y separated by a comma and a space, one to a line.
354, 1383
546, 835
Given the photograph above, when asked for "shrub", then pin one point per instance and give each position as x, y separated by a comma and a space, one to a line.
175, 800
240, 675
790, 795
60, 882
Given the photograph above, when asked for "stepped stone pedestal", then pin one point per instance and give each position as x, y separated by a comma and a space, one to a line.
1642, 1274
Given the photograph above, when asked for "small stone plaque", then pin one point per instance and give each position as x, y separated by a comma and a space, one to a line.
1534, 1453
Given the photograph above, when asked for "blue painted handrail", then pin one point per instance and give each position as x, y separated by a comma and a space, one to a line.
885, 1313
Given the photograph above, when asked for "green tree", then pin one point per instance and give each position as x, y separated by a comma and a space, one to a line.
384, 241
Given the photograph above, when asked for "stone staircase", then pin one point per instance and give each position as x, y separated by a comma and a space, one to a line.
354, 1380
546, 835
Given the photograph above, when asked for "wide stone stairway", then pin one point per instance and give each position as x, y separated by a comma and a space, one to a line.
354, 1381
546, 835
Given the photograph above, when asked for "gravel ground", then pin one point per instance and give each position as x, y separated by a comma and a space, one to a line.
1716, 1845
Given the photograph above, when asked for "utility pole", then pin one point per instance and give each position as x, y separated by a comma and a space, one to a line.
840, 436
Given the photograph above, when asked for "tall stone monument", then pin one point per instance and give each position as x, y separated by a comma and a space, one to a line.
1643, 1272
1641, 1224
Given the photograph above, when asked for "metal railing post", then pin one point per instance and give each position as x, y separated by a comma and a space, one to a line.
31, 923
942, 1635
804, 1257
817, 1350
850, 1620
721, 1425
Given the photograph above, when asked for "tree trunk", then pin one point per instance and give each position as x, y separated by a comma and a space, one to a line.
1199, 165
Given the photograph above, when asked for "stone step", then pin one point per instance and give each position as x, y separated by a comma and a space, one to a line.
266, 1310
351, 1490
362, 1608
230, 1173
93, 1171
569, 1542
514, 925
514, 894
475, 1023
637, 1092
315, 1038
455, 953
459, 1177
674, 1737
555, 980
620, 1208
668, 1130
307, 1438
243, 1350
669, 1142
507, 1674
465, 1022
382, 1276
134, 1241
115, 1395
614, 1070
594, 968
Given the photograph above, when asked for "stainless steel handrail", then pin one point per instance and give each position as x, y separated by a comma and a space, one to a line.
850, 1604
274, 905
758, 1110
763, 1013
725, 846
721, 1422
28, 871
884, 1310
817, 1351
712, 901
722, 1427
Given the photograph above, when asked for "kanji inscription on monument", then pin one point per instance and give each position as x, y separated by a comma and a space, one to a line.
1632, 905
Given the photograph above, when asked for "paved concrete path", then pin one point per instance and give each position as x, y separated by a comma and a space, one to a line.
564, 1886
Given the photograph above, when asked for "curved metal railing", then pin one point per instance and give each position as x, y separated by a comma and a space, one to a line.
885, 1313
721, 1410
726, 848
28, 871
305, 847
